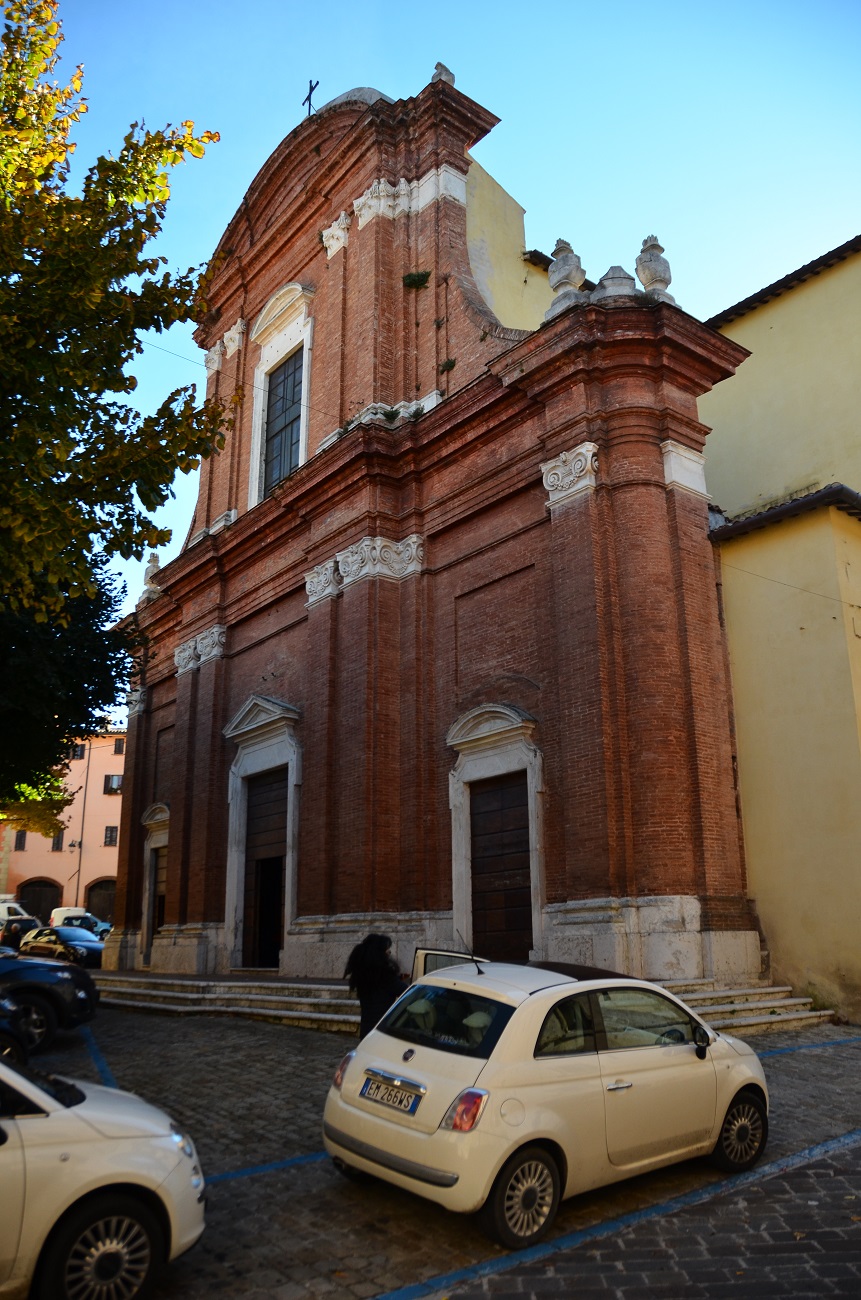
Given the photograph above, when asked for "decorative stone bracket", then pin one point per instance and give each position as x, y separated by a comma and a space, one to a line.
372, 557
385, 200
200, 649
335, 236
684, 468
571, 473
136, 701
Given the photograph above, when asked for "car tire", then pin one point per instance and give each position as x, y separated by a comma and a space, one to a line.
11, 1050
524, 1199
38, 1020
109, 1245
743, 1134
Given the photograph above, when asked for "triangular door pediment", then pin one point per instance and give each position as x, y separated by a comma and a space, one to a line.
259, 712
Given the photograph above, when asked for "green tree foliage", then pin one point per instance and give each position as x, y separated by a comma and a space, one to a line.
56, 686
79, 467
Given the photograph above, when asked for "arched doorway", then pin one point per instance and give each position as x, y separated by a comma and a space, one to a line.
40, 897
100, 899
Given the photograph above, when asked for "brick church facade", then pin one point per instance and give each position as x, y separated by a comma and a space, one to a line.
443, 651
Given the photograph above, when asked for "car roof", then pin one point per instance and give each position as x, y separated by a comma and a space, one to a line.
515, 983
498, 979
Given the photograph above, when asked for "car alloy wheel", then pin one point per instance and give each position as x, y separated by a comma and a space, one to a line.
109, 1248
523, 1202
38, 1020
743, 1134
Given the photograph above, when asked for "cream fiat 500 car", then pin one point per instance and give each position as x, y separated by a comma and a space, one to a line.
503, 1089
97, 1190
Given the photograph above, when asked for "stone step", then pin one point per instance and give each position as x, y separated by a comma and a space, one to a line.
746, 1027
712, 997
752, 1009
303, 1018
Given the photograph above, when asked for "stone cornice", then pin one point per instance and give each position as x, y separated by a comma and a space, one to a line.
655, 339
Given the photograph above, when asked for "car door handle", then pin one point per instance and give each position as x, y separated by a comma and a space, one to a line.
618, 1086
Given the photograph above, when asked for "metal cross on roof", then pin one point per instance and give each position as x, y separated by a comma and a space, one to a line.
312, 86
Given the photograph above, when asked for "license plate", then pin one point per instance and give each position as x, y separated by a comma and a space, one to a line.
386, 1095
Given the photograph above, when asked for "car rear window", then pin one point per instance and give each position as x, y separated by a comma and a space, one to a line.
451, 1020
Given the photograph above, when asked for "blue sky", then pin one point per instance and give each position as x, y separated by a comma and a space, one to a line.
729, 129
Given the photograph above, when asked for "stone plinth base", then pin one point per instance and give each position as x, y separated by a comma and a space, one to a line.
176, 950
657, 938
318, 946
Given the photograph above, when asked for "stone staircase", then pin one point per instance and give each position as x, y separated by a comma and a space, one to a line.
758, 1008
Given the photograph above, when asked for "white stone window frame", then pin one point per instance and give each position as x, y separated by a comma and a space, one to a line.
494, 740
156, 819
282, 328
264, 730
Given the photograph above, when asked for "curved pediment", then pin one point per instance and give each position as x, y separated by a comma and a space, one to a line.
290, 303
156, 816
489, 724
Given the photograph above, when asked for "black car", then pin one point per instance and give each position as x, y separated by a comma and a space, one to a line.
51, 995
64, 943
13, 1036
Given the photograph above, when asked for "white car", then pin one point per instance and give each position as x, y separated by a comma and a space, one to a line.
503, 1089
99, 1189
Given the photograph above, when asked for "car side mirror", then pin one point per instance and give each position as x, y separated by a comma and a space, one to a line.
702, 1040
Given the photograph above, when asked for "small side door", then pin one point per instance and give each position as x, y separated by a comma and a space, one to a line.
659, 1096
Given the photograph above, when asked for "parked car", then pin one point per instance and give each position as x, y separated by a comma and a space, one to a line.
50, 994
100, 1189
79, 916
504, 1089
10, 909
13, 1036
64, 943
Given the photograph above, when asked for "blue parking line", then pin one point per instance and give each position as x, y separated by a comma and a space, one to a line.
277, 1165
810, 1047
98, 1059
535, 1254
267, 1169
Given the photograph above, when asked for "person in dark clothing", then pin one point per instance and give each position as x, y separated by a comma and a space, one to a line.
374, 977
10, 935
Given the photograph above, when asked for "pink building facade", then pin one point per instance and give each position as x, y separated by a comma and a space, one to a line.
79, 867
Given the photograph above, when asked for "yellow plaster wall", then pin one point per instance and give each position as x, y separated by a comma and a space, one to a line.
517, 293
792, 597
790, 419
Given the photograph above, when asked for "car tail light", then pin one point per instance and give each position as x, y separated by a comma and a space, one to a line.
338, 1080
465, 1111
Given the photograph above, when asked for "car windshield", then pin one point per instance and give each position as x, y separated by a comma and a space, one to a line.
77, 934
61, 1090
451, 1020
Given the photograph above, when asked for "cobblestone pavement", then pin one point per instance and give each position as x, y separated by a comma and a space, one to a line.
284, 1225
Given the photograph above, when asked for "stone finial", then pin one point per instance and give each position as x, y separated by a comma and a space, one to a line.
615, 283
151, 589
653, 270
566, 275
442, 73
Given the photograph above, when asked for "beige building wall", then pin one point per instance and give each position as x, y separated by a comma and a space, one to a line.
517, 293
790, 420
792, 598
86, 855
